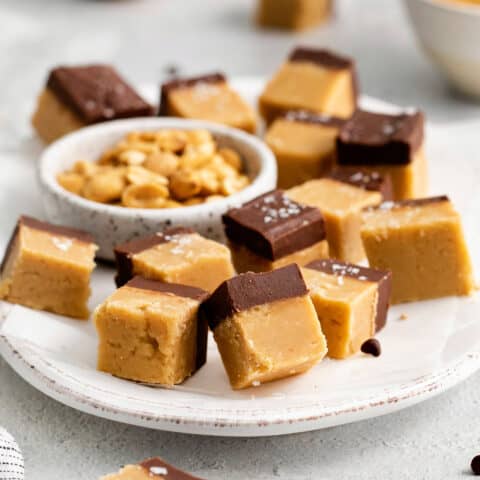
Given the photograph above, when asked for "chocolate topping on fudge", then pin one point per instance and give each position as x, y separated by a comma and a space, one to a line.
180, 291
382, 277
179, 83
412, 202
324, 58
372, 181
370, 138
174, 288
35, 224
97, 93
304, 116
125, 251
157, 467
273, 226
251, 289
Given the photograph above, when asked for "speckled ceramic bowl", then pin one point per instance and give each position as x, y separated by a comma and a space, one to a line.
111, 225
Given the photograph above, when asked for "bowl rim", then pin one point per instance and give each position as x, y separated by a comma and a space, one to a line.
46, 177
452, 7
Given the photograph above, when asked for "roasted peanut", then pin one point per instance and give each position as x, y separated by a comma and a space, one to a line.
163, 163
146, 195
184, 184
138, 175
232, 158
104, 187
71, 181
132, 157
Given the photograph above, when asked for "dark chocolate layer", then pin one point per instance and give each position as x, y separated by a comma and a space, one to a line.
304, 116
251, 289
325, 58
273, 226
125, 251
97, 93
180, 291
156, 467
382, 277
370, 138
412, 202
368, 180
179, 83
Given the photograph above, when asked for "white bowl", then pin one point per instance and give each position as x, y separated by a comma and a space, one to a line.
111, 225
450, 33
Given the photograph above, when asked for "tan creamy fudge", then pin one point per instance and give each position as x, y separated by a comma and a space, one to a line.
265, 326
293, 14
149, 331
421, 241
341, 204
177, 255
208, 97
351, 303
389, 144
272, 231
311, 79
48, 267
78, 96
151, 469
304, 145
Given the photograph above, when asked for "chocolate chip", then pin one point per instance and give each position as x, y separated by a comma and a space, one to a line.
476, 465
372, 347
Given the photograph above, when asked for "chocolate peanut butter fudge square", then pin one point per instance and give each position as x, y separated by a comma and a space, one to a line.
208, 97
311, 79
265, 326
421, 241
48, 267
368, 180
293, 14
78, 96
351, 302
341, 204
151, 469
304, 145
177, 255
149, 331
272, 231
388, 144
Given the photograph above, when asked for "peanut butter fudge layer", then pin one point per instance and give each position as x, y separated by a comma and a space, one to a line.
304, 145
272, 231
341, 204
366, 179
311, 79
265, 326
177, 255
48, 267
293, 14
351, 302
388, 144
208, 97
149, 331
421, 241
154, 468
79, 96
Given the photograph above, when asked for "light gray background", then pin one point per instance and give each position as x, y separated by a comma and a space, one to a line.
434, 440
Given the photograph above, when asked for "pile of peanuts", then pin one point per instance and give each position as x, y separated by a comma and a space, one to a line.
161, 169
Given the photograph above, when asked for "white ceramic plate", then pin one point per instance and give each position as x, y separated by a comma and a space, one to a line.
436, 347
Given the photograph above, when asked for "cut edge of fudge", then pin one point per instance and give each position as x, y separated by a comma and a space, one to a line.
125, 251
413, 202
327, 59
96, 93
285, 226
180, 83
185, 291
35, 224
314, 118
372, 138
158, 467
366, 179
383, 278
248, 290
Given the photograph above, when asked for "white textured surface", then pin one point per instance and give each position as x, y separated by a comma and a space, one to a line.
435, 440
